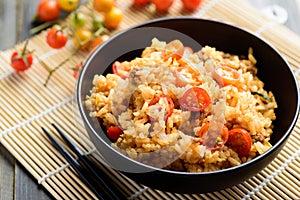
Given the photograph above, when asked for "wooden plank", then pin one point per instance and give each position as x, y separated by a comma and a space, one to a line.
6, 174
27, 187
8, 23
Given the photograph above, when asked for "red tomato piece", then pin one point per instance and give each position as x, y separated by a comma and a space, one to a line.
56, 38
162, 5
195, 99
170, 103
240, 141
119, 70
48, 10
114, 132
191, 5
174, 49
225, 75
216, 139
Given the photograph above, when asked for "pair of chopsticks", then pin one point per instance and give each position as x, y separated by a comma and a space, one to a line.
96, 180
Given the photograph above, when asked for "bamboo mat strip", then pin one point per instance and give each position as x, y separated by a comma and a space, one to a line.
26, 105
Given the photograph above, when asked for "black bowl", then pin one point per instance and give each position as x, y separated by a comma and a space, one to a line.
272, 69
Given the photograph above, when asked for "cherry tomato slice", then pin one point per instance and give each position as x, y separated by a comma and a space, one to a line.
56, 38
114, 132
225, 75
216, 139
120, 70
170, 103
195, 99
240, 141
174, 49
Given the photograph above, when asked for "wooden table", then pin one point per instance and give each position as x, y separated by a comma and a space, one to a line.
15, 18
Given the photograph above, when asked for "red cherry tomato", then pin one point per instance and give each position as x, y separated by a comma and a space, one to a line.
162, 5
114, 132
56, 38
195, 99
48, 10
225, 75
216, 139
23, 60
174, 49
140, 2
191, 5
76, 70
170, 103
240, 141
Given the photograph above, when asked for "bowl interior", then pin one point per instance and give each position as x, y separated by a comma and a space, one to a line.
272, 68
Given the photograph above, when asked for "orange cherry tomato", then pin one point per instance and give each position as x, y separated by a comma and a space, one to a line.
56, 38
195, 99
103, 5
162, 5
216, 139
170, 103
98, 41
114, 132
48, 10
113, 18
240, 141
225, 75
82, 38
174, 49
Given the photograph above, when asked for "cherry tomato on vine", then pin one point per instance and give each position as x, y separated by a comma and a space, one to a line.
216, 139
113, 18
98, 41
56, 38
68, 5
191, 5
23, 60
195, 99
82, 38
240, 141
103, 5
48, 10
114, 132
78, 20
140, 2
76, 70
162, 5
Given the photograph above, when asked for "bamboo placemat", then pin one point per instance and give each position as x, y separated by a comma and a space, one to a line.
26, 105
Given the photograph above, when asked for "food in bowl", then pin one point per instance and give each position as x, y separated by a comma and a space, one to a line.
181, 110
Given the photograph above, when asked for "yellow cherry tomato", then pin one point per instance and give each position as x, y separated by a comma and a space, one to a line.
103, 5
68, 5
113, 18
82, 38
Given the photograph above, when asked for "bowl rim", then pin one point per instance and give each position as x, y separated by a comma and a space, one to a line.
228, 24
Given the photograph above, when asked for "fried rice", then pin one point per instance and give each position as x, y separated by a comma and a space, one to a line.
160, 125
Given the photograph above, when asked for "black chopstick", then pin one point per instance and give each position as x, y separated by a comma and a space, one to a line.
77, 167
98, 175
